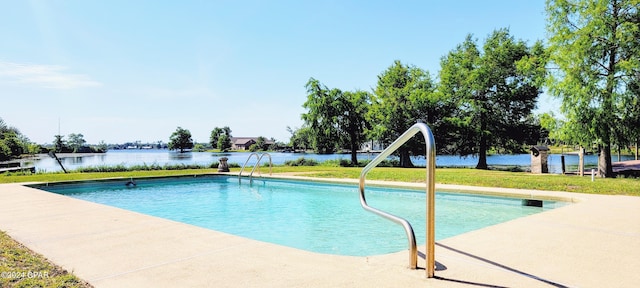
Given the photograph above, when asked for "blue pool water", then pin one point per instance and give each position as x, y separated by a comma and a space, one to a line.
319, 217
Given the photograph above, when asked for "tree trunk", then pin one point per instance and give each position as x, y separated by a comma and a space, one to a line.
581, 161
482, 150
482, 154
354, 153
605, 169
405, 160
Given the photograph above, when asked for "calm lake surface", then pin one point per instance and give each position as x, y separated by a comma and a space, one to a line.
165, 157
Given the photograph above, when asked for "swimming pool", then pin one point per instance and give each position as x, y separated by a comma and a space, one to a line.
314, 216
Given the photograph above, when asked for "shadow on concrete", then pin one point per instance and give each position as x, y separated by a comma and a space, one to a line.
468, 282
439, 266
492, 263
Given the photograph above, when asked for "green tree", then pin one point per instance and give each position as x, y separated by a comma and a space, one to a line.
59, 143
335, 119
402, 97
594, 45
180, 140
353, 108
495, 89
11, 144
101, 147
261, 143
24, 142
221, 138
5, 151
224, 142
215, 135
76, 141
33, 148
631, 118
300, 137
199, 147
321, 116
553, 126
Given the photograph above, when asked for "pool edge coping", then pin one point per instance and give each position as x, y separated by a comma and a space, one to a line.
570, 197
449, 240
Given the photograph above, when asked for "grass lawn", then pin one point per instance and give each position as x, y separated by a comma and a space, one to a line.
484, 178
21, 267
460, 176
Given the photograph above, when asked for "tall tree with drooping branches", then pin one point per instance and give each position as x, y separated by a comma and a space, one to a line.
336, 119
352, 120
596, 52
321, 116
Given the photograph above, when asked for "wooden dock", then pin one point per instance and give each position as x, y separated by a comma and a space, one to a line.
631, 167
626, 168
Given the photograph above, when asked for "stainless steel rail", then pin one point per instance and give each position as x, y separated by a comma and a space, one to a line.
245, 163
257, 165
430, 156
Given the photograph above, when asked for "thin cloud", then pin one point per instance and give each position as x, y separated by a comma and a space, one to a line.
47, 76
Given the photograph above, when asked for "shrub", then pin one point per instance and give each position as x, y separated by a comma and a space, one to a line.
332, 163
301, 162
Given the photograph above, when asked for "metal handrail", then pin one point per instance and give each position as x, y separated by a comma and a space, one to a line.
245, 163
430, 156
257, 165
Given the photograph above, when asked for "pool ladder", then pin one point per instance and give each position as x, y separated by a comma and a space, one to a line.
257, 165
430, 156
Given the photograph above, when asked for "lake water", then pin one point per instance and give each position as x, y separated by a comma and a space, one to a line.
165, 157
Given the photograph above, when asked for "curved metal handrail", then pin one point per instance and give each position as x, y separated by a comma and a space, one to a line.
430, 156
245, 163
257, 165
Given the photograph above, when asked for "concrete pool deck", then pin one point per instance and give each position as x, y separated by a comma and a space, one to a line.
595, 242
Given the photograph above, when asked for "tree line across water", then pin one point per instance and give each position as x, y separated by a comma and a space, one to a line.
13, 144
484, 94
483, 101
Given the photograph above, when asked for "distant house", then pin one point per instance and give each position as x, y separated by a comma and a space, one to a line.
243, 143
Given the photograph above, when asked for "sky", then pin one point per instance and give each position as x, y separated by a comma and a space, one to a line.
124, 71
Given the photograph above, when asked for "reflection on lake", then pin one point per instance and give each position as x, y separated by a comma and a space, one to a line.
164, 157
180, 156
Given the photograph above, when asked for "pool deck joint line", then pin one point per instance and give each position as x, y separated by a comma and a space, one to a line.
594, 242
